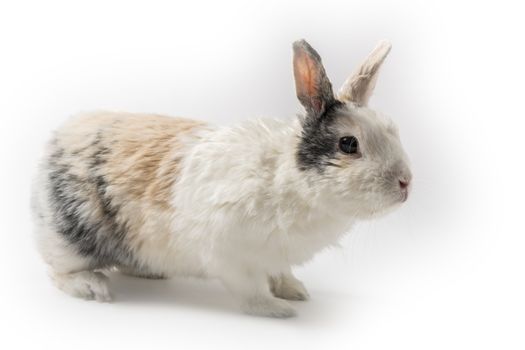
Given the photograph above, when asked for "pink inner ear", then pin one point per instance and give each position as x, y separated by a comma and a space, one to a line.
305, 73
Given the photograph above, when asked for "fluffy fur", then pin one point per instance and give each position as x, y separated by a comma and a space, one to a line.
156, 196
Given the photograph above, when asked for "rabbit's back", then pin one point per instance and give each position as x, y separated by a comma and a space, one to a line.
103, 174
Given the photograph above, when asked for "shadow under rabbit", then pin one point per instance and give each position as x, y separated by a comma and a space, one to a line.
207, 295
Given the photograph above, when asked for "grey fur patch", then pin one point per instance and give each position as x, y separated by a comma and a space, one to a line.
319, 140
98, 236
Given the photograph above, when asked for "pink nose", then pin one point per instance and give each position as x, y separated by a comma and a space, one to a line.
403, 184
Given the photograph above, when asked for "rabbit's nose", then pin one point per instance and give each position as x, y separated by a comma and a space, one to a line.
404, 180
403, 183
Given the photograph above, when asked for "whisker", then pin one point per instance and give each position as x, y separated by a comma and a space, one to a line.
332, 164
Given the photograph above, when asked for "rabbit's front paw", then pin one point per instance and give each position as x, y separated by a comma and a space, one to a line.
286, 286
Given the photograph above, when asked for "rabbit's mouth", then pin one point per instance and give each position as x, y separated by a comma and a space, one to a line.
404, 186
404, 195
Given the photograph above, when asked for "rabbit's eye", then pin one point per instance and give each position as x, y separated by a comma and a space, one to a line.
349, 145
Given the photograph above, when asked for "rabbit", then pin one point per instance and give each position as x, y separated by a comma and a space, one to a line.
155, 196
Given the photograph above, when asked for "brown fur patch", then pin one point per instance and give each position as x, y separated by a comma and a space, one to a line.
145, 156
142, 152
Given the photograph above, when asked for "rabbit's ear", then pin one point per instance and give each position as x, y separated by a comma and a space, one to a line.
314, 90
360, 85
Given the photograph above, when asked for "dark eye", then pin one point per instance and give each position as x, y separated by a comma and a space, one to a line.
348, 144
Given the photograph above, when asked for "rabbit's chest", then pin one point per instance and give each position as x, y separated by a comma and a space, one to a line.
305, 240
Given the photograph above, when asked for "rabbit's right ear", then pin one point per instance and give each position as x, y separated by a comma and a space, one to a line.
359, 86
314, 90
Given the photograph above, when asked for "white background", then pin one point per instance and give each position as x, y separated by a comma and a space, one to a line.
446, 271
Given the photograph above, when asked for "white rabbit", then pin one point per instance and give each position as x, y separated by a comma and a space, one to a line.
155, 196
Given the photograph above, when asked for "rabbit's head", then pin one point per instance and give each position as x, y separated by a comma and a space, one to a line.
346, 148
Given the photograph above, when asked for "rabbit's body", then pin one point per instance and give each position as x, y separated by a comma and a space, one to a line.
157, 196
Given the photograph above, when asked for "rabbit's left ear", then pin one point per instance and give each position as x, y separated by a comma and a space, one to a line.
360, 85
313, 88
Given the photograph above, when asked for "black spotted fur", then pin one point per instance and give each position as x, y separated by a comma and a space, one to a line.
101, 240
